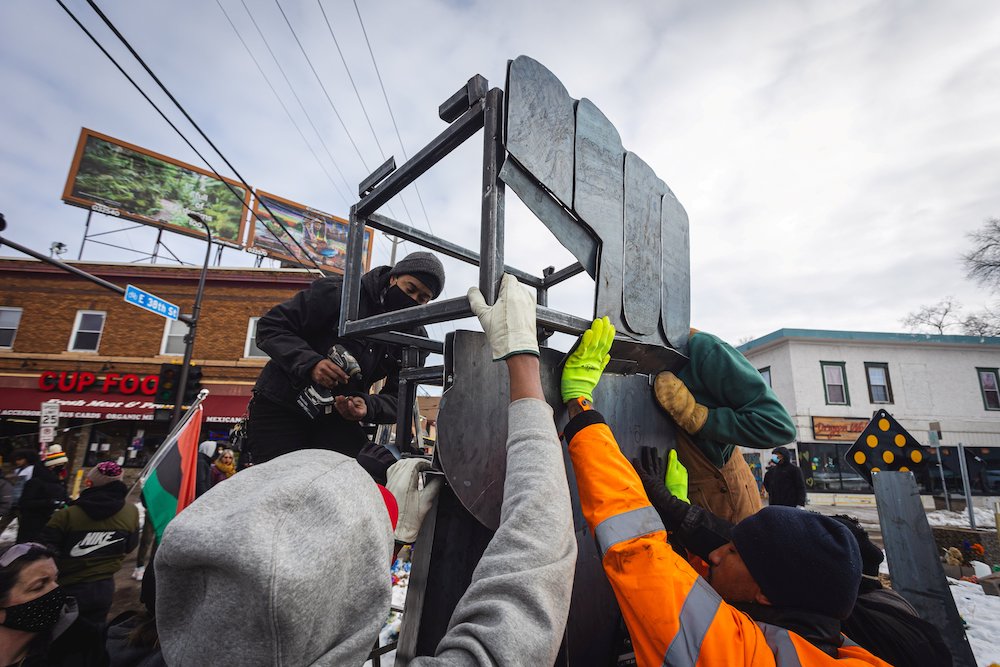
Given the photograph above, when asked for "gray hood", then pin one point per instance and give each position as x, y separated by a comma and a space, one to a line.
287, 563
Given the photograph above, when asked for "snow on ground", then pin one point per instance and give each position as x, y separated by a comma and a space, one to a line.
982, 613
984, 518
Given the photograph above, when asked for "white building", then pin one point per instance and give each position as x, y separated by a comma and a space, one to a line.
832, 382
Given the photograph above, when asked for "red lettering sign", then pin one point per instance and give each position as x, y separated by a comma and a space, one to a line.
80, 381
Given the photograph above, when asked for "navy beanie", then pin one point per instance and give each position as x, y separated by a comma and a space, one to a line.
423, 266
801, 559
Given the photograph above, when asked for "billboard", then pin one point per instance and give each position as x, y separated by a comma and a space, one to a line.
323, 236
117, 178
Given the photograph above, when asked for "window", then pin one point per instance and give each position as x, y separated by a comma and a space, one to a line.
991, 390
87, 331
835, 383
173, 337
250, 349
766, 374
879, 387
10, 318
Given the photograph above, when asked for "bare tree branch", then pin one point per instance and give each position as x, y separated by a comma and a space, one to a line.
982, 263
936, 318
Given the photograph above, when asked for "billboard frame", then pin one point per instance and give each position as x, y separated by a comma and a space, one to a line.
69, 198
258, 213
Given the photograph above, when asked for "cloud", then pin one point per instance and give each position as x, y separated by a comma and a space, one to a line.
831, 156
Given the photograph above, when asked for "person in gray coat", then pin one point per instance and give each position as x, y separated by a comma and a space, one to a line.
302, 577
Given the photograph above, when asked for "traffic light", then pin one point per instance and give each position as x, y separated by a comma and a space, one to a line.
166, 388
169, 384
193, 384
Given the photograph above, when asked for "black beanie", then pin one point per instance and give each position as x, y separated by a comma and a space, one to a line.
423, 266
801, 559
871, 555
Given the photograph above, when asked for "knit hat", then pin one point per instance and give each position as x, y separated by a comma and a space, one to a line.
208, 448
871, 555
301, 577
801, 559
104, 473
423, 266
55, 457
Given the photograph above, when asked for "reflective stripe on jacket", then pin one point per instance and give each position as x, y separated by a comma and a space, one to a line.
674, 617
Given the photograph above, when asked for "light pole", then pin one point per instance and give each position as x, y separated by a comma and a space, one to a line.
193, 325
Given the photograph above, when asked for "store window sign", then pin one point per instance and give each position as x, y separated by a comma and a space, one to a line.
82, 381
842, 429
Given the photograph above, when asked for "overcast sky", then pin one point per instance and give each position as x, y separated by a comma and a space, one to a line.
831, 156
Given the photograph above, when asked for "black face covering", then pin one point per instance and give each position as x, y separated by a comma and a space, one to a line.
397, 299
36, 615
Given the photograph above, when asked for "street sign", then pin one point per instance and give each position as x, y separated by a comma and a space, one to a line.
47, 421
151, 302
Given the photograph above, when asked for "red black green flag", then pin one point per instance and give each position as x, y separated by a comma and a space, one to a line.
168, 485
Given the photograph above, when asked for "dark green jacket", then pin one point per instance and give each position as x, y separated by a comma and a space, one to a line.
92, 536
742, 409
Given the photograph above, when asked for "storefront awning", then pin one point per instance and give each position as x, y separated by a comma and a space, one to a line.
222, 405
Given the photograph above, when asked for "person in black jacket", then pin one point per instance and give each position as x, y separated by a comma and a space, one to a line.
39, 623
297, 336
881, 621
43, 494
784, 482
91, 538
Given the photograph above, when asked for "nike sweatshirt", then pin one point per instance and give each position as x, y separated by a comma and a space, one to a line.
92, 536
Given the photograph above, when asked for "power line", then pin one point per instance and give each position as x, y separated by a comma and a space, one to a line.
320, 81
340, 192
357, 94
299, 100
174, 127
385, 95
351, 78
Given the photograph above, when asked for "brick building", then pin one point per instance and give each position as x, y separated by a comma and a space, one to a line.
64, 338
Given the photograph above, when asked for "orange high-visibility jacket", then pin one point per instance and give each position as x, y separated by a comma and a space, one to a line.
674, 617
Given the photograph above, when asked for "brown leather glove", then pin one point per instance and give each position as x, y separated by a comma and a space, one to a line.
677, 400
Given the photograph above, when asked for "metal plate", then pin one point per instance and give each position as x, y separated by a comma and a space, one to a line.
675, 258
472, 421
641, 276
599, 200
540, 125
574, 236
917, 574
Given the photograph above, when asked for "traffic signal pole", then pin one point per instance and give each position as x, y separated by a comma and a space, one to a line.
192, 325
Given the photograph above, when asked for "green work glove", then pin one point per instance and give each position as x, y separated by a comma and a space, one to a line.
586, 363
676, 478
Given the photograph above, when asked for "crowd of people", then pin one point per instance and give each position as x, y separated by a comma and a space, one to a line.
702, 574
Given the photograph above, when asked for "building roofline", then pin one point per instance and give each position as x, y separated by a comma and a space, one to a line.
162, 271
827, 335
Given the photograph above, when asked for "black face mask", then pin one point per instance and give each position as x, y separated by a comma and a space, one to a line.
38, 615
397, 299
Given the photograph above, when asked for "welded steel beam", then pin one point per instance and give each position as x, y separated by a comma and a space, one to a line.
456, 133
386, 224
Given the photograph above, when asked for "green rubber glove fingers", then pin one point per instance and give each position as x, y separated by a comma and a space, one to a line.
676, 478
586, 363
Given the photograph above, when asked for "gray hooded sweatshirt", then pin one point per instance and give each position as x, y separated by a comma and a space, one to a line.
288, 564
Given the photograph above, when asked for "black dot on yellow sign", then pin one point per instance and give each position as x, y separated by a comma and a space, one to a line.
885, 445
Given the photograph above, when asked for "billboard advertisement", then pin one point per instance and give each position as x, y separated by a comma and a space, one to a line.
119, 179
323, 236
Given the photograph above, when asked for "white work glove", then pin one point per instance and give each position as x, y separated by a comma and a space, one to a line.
510, 322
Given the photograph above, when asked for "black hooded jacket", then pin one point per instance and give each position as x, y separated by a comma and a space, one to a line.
785, 483
92, 536
298, 333
43, 494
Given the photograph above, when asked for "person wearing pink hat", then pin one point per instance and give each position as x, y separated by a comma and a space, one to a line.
91, 538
